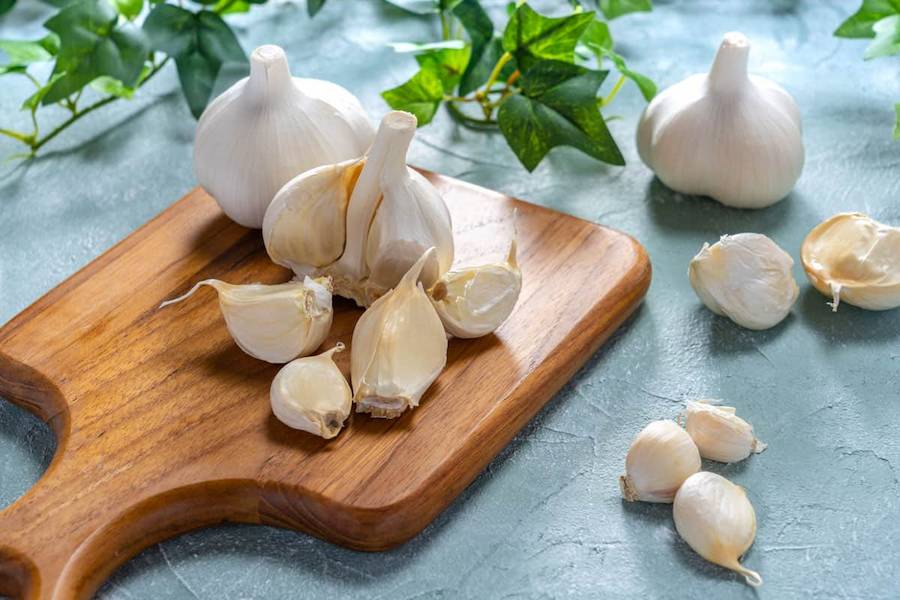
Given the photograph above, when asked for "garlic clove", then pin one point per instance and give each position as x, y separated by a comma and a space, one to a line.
311, 394
853, 258
660, 458
399, 348
747, 278
274, 323
475, 301
719, 433
717, 521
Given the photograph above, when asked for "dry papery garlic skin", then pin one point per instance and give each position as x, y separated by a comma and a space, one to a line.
311, 394
853, 258
717, 521
726, 134
275, 323
660, 458
267, 128
747, 278
719, 433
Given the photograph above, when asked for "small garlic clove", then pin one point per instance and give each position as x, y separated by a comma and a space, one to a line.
274, 323
853, 258
475, 301
660, 458
717, 521
720, 434
311, 394
747, 278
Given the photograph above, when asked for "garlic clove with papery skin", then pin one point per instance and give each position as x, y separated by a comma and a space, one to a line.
275, 323
726, 134
717, 521
853, 258
719, 433
747, 278
660, 458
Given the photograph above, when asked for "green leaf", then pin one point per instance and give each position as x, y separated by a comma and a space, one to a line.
419, 7
897, 124
887, 38
408, 47
21, 52
859, 24
531, 37
421, 95
616, 8
448, 64
113, 87
557, 107
129, 9
7, 69
32, 102
314, 6
597, 38
486, 49
230, 7
6, 6
170, 29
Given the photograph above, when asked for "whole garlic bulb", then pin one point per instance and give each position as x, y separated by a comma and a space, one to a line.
717, 521
854, 258
727, 135
267, 128
274, 323
719, 433
747, 278
660, 458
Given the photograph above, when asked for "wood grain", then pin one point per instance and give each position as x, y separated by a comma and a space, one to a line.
164, 424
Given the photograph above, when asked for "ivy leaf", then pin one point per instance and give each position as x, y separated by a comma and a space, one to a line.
129, 9
616, 8
887, 38
448, 64
406, 47
530, 36
22, 52
32, 102
597, 38
486, 49
313, 7
230, 7
860, 23
897, 124
419, 7
644, 83
6, 6
557, 107
113, 87
421, 95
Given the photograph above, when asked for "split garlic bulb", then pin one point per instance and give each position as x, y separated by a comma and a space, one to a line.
727, 135
274, 323
660, 458
363, 222
719, 433
267, 128
475, 301
747, 278
717, 521
311, 394
399, 348
854, 258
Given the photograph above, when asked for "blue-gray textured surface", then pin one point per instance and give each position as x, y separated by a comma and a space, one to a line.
545, 520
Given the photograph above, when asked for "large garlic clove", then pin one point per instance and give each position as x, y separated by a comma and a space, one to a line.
311, 394
269, 127
727, 135
719, 433
475, 301
854, 258
399, 348
660, 458
274, 323
747, 278
717, 521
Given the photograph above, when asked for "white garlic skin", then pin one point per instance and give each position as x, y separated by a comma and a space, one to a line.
267, 128
727, 135
660, 458
747, 278
311, 394
853, 258
719, 433
717, 521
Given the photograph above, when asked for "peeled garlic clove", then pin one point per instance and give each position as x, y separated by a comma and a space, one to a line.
854, 258
274, 323
719, 433
747, 278
475, 301
660, 458
269, 127
312, 394
727, 135
717, 521
399, 348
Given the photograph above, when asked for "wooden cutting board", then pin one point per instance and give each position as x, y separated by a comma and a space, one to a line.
164, 425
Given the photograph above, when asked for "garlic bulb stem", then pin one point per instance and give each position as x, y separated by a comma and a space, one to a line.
729, 69
270, 76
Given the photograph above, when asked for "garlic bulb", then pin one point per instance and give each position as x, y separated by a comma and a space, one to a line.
660, 458
719, 433
475, 301
274, 323
727, 135
717, 521
363, 222
854, 258
747, 278
311, 394
267, 128
399, 348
